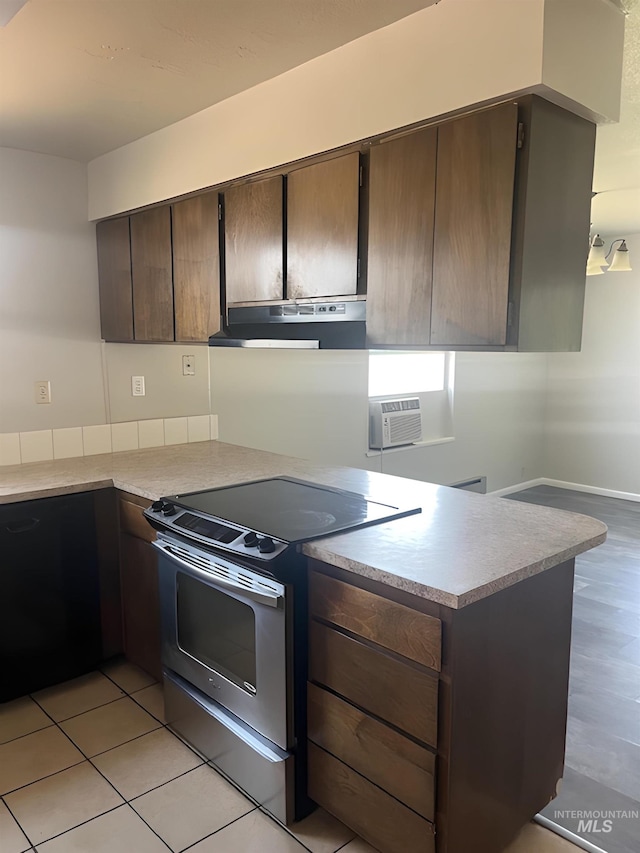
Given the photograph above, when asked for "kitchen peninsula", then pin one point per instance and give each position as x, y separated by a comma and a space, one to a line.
439, 643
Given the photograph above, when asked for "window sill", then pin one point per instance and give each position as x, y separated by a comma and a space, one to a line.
427, 443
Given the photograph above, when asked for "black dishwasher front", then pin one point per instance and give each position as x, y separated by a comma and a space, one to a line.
49, 593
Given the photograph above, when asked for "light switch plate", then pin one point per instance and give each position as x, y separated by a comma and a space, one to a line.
188, 365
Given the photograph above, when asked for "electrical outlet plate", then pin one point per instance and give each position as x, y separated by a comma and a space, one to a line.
137, 386
43, 391
188, 365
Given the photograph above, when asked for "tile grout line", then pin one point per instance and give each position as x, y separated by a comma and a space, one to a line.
164, 724
34, 732
61, 771
120, 687
216, 831
161, 785
108, 781
19, 825
263, 811
82, 823
130, 740
73, 716
130, 801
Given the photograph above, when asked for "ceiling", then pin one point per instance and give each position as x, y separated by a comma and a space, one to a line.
79, 78
82, 77
616, 207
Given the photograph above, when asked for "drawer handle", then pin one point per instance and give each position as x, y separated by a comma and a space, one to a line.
22, 526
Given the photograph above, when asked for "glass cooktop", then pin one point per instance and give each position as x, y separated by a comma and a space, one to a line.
289, 509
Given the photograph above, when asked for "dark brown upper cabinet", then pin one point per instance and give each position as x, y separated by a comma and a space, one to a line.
472, 233
402, 191
552, 212
159, 273
498, 260
468, 234
196, 267
322, 228
254, 241
151, 274
114, 276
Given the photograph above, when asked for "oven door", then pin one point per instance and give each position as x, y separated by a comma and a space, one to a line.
224, 630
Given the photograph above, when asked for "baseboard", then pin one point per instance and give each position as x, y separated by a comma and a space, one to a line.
592, 490
519, 487
563, 484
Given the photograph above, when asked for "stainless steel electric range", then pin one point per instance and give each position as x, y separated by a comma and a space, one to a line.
233, 595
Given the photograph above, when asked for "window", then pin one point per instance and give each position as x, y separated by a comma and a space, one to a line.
399, 373
427, 375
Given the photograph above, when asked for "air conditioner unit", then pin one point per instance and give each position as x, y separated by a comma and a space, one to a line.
394, 422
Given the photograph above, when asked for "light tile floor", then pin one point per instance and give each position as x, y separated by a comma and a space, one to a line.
89, 767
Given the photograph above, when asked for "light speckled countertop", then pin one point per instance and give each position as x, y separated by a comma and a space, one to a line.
461, 548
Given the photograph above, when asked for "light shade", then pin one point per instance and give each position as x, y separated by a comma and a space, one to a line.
594, 269
597, 255
620, 262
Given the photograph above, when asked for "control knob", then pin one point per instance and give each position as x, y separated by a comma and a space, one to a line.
157, 506
266, 545
250, 539
168, 509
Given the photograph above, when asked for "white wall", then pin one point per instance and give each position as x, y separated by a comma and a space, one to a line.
313, 403
498, 424
443, 58
49, 316
49, 313
575, 33
593, 416
169, 394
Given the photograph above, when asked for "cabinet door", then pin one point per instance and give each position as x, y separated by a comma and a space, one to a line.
322, 228
140, 603
151, 272
472, 242
114, 276
253, 239
196, 268
402, 177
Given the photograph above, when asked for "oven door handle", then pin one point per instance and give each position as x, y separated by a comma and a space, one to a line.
271, 599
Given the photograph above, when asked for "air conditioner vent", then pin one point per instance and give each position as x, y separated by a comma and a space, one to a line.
394, 422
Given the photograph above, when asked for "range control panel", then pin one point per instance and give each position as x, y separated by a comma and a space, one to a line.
165, 515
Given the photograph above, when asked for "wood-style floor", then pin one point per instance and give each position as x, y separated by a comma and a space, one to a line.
602, 770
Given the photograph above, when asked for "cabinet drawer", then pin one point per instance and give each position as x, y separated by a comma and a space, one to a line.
133, 521
394, 626
378, 818
393, 762
397, 692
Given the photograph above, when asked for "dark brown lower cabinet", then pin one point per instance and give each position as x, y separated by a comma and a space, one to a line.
140, 604
139, 588
366, 808
415, 760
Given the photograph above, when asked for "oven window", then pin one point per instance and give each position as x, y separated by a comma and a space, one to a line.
217, 630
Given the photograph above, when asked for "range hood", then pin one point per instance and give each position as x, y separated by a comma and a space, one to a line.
328, 324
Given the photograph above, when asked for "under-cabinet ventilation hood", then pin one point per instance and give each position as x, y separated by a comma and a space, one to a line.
328, 324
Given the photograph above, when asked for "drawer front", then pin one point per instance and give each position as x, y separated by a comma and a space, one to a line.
380, 819
394, 626
397, 692
393, 762
132, 521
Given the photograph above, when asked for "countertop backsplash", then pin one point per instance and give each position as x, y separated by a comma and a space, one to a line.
46, 444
